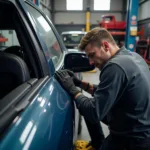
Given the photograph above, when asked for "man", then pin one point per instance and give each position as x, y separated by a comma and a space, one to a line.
123, 94
94, 129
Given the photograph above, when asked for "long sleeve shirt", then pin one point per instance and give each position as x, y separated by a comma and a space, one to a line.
123, 95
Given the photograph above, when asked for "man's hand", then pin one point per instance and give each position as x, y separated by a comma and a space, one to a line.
67, 82
76, 81
82, 84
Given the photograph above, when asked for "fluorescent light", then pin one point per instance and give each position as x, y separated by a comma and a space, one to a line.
74, 4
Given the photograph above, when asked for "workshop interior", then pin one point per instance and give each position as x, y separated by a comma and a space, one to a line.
39, 38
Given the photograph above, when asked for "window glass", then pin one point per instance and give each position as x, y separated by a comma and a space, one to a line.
8, 38
74, 4
46, 32
108, 18
101, 4
72, 38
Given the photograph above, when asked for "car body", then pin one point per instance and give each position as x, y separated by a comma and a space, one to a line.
109, 22
72, 39
35, 112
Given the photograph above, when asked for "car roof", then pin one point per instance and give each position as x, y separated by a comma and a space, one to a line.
107, 16
74, 32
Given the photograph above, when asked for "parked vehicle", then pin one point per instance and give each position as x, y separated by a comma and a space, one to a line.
109, 22
35, 111
72, 39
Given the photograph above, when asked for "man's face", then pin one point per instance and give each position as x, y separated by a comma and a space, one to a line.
98, 55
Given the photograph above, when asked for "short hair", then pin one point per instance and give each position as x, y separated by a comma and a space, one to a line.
95, 36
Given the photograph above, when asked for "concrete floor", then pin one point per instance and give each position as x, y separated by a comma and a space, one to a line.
92, 78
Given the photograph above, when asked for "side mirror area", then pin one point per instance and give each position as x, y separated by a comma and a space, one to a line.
77, 62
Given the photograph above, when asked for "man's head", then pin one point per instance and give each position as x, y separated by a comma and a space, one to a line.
99, 46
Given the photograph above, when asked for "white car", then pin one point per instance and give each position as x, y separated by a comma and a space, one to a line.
72, 39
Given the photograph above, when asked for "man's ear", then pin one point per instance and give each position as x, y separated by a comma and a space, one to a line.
105, 45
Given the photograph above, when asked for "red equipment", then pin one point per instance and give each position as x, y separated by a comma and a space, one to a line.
109, 22
3, 39
117, 29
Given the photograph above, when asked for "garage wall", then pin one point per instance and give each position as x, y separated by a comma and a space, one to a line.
144, 11
45, 5
70, 18
144, 17
64, 17
75, 20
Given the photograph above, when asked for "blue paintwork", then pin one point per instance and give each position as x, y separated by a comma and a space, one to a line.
132, 11
46, 123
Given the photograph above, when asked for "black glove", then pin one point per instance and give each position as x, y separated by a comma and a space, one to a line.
67, 82
76, 81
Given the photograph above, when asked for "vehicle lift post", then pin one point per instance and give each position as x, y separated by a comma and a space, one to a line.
88, 19
88, 28
131, 29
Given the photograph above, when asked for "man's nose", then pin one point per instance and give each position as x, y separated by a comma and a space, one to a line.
91, 62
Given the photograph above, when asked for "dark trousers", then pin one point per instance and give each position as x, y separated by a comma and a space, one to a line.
113, 142
119, 143
96, 133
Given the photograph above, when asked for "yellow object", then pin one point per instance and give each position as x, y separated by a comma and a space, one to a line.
83, 145
93, 71
133, 31
87, 21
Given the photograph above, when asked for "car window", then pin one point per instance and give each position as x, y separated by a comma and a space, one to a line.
54, 51
8, 38
108, 18
72, 38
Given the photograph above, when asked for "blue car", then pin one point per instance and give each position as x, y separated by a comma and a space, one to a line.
36, 113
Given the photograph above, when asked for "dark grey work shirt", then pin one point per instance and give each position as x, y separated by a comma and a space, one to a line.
123, 96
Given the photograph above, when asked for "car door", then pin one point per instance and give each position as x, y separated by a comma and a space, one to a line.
55, 57
46, 111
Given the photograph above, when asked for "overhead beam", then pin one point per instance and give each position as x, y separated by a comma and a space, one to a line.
92, 11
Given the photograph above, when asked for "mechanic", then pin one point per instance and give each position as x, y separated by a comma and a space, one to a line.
94, 129
123, 94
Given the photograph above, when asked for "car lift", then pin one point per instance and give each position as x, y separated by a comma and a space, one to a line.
142, 46
88, 29
131, 28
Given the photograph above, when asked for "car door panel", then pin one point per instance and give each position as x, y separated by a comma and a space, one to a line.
46, 124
